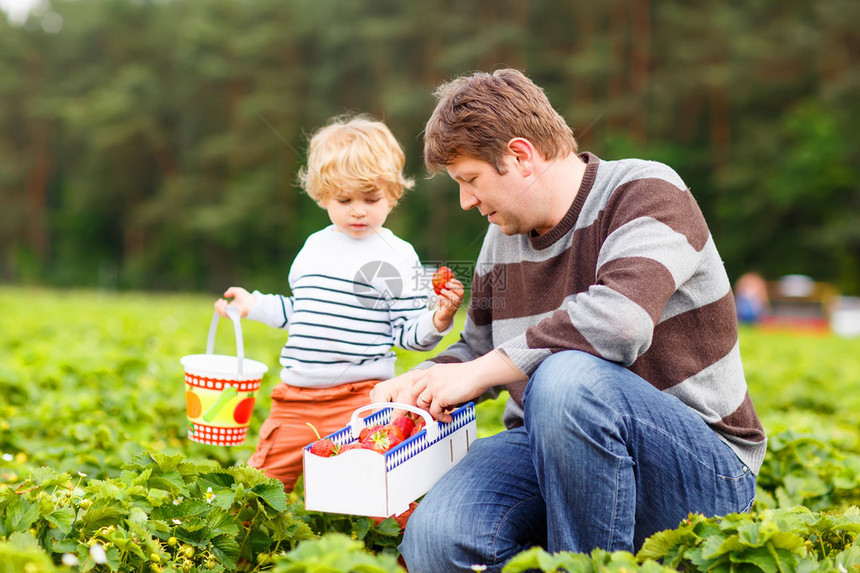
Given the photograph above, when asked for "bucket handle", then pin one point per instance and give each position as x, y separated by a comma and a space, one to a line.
233, 314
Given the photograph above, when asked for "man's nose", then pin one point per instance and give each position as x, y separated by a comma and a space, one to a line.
467, 199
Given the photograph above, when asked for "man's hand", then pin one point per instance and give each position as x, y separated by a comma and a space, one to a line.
442, 388
242, 300
397, 389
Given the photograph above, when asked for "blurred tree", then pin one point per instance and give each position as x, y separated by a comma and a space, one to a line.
153, 144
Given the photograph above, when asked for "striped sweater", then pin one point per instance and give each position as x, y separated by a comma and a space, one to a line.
630, 274
352, 300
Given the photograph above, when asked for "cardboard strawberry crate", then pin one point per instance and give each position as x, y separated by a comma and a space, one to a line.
364, 482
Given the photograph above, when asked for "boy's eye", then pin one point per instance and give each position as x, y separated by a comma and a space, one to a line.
343, 201
372, 199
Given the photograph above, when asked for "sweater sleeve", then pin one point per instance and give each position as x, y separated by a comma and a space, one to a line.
654, 239
272, 309
411, 319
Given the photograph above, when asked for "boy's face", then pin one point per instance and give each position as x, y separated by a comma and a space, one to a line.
359, 214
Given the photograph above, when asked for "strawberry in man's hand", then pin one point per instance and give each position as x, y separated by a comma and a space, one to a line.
323, 446
440, 278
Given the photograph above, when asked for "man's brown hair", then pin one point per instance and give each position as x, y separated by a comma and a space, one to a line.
477, 115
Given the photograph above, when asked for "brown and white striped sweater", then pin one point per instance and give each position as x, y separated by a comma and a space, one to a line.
630, 274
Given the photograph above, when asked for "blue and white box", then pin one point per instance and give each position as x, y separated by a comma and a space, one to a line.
364, 482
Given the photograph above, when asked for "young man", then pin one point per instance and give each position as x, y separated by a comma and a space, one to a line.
600, 302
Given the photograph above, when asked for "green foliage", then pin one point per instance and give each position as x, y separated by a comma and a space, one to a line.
161, 510
93, 453
335, 553
536, 559
793, 539
801, 469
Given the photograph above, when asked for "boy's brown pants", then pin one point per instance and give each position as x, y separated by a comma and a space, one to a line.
285, 432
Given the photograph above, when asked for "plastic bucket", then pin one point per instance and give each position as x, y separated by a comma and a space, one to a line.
220, 391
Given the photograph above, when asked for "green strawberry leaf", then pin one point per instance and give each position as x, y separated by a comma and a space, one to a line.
226, 550
272, 494
62, 519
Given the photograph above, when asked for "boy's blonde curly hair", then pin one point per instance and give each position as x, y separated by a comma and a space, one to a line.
354, 153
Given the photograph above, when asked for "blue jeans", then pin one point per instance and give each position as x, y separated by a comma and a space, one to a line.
604, 460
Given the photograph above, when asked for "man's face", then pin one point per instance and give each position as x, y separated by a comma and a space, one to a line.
500, 198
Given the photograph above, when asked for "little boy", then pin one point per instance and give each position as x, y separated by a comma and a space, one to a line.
357, 290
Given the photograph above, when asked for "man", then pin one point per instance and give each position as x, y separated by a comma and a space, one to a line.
601, 304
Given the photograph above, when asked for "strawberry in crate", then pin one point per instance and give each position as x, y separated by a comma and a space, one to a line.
379, 438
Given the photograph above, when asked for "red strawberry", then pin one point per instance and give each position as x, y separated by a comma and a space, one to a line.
325, 448
362, 435
352, 446
386, 438
441, 278
405, 423
419, 425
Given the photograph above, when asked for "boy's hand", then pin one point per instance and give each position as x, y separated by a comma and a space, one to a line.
242, 300
450, 298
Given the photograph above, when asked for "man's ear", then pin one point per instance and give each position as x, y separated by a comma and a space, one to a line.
523, 153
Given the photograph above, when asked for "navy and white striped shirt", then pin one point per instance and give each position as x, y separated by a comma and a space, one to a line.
353, 299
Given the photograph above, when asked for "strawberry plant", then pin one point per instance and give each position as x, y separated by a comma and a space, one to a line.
537, 559
802, 469
92, 395
161, 510
335, 553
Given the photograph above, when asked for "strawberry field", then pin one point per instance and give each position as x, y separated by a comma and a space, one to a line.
97, 473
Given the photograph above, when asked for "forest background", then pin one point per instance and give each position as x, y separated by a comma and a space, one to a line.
154, 144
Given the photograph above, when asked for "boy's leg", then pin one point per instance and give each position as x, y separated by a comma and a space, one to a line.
285, 432
618, 460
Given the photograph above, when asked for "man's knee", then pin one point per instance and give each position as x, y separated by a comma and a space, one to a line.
559, 381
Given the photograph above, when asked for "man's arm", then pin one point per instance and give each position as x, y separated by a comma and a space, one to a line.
443, 387
656, 241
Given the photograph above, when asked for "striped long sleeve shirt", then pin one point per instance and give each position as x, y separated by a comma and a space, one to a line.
630, 274
352, 300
